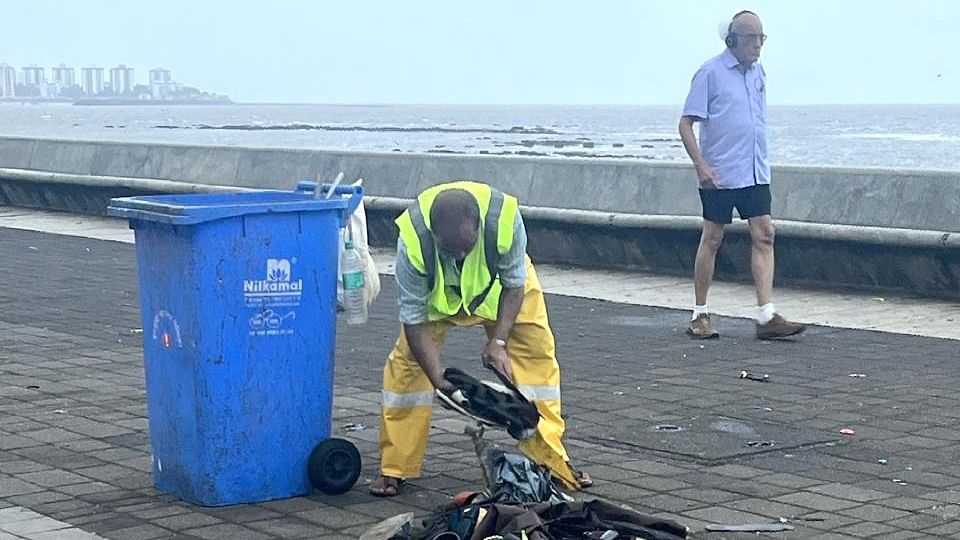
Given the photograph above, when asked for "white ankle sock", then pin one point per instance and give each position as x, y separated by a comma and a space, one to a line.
697, 310
765, 313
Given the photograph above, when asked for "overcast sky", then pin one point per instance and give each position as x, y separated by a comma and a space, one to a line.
496, 51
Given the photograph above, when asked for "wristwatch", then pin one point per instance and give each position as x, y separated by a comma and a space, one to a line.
499, 342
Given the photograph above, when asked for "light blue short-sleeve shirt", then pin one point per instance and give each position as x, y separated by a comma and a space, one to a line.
731, 104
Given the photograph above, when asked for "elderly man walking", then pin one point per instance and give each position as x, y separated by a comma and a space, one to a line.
728, 97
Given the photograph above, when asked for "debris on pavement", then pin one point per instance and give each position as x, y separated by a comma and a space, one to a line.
750, 527
882, 461
857, 375
761, 377
399, 525
848, 431
761, 444
354, 427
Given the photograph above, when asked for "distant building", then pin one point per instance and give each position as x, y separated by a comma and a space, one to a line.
63, 76
91, 80
162, 85
34, 76
121, 80
8, 81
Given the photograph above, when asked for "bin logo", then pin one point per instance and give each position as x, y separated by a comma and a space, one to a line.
278, 270
277, 289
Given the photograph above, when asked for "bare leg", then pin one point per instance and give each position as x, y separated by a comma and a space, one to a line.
761, 257
710, 241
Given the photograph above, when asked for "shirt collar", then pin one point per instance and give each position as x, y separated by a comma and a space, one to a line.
729, 60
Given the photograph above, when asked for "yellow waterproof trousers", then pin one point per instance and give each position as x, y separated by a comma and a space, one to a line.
408, 395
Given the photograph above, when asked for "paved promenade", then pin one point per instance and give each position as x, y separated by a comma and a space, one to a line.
75, 453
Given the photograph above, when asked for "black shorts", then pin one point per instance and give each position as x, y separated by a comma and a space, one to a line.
718, 204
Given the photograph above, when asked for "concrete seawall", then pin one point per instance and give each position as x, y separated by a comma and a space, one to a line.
870, 229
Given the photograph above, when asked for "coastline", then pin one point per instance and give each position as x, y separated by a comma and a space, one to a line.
148, 102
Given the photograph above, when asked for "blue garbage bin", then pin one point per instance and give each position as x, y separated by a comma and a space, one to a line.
238, 301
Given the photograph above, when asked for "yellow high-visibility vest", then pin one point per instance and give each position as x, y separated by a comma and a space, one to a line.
479, 291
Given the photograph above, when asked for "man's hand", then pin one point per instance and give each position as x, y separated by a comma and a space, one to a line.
444, 386
494, 356
707, 176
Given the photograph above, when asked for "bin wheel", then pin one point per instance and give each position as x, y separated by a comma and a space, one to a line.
334, 466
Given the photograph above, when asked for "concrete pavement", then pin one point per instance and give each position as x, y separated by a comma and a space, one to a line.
75, 454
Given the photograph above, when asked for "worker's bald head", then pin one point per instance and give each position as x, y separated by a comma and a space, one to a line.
455, 221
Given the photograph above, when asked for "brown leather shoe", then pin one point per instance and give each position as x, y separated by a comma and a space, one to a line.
702, 328
778, 327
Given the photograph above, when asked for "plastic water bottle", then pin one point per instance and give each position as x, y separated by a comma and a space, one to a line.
354, 302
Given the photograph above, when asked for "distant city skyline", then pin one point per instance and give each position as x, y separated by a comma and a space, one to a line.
31, 81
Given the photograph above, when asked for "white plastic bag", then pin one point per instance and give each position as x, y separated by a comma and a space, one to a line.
357, 228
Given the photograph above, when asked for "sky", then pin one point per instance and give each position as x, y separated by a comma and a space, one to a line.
621, 52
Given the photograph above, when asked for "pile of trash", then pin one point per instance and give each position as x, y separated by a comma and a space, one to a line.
523, 503
521, 499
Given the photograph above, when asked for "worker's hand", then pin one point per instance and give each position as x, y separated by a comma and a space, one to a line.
707, 176
494, 356
441, 384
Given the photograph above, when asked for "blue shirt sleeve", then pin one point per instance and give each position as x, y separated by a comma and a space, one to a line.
412, 289
513, 263
698, 99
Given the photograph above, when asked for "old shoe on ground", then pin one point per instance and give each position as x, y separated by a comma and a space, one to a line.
778, 327
702, 328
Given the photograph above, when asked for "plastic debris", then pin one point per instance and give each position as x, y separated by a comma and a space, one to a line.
750, 527
136, 331
354, 427
848, 431
618, 393
857, 375
761, 377
667, 427
761, 444
59, 411
394, 527
882, 461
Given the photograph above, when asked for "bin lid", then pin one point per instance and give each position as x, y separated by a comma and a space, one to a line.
193, 208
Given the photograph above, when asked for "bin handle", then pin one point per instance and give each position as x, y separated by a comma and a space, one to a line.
356, 197
354, 191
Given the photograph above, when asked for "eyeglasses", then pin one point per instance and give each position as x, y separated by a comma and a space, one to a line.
753, 37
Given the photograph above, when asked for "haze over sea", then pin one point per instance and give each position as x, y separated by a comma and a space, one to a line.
898, 136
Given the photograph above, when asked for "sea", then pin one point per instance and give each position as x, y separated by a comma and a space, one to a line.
889, 136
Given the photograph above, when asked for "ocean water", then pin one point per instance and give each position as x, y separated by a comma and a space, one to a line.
899, 136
